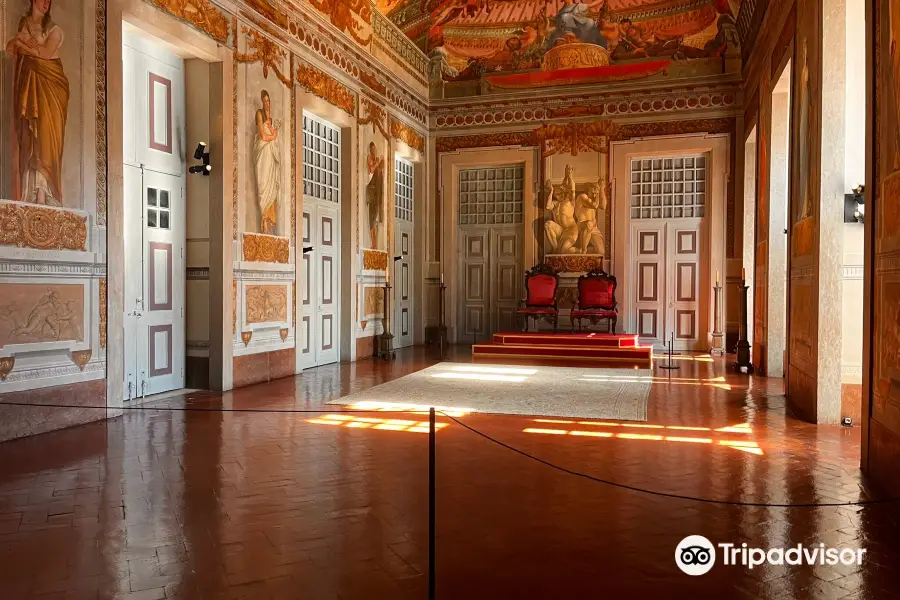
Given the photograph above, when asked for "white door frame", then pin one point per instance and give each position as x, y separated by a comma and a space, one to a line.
716, 147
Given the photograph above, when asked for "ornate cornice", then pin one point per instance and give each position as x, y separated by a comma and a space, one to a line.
265, 51
572, 138
372, 113
407, 134
484, 140
633, 130
320, 84
266, 248
31, 226
202, 14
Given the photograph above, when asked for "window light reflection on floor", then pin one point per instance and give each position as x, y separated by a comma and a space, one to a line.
413, 409
352, 422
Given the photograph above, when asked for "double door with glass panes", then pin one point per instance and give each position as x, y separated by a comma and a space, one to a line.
154, 217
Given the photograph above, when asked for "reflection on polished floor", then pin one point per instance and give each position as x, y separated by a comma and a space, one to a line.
218, 504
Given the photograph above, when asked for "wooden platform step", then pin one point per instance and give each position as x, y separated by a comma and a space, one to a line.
590, 340
555, 352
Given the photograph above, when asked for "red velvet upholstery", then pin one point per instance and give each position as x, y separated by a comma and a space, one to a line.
541, 283
597, 292
541, 290
596, 299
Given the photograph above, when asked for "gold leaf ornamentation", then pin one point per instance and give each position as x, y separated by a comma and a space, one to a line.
6, 366
42, 228
283, 332
203, 14
320, 84
81, 358
573, 138
407, 134
246, 336
348, 16
265, 51
374, 114
266, 248
484, 140
574, 263
375, 260
371, 82
103, 313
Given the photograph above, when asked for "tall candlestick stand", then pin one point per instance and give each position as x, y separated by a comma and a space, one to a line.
386, 339
718, 341
743, 363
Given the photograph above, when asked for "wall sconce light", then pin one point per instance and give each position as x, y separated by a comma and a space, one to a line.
855, 205
202, 154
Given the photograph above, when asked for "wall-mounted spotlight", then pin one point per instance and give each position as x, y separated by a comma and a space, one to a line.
855, 205
396, 258
202, 154
307, 249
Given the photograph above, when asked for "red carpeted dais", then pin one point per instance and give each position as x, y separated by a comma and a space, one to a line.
592, 347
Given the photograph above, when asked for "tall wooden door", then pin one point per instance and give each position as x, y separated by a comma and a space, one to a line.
319, 288
491, 275
402, 326
155, 213
648, 243
683, 268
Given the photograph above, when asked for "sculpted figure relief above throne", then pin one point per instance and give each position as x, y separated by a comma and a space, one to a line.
575, 220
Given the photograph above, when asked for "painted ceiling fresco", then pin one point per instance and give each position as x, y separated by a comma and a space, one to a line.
528, 43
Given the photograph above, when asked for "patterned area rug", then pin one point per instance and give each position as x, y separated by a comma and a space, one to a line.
615, 394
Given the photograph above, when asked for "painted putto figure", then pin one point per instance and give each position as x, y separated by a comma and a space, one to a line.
40, 103
375, 192
590, 213
267, 165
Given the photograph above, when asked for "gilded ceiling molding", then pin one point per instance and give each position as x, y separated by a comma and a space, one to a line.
632, 130
370, 112
202, 14
31, 226
407, 134
265, 8
484, 140
321, 84
100, 110
266, 248
572, 138
371, 82
103, 313
265, 51
347, 15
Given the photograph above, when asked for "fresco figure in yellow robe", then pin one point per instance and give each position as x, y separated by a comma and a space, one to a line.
40, 103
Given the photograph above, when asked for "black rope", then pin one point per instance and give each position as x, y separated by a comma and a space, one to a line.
211, 409
665, 494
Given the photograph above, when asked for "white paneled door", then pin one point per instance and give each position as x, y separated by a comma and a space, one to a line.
665, 271
154, 219
320, 284
403, 303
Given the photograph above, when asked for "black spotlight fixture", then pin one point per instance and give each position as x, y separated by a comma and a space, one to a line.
202, 154
396, 258
855, 205
307, 249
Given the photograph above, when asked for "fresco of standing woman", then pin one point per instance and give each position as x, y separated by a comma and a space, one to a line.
40, 103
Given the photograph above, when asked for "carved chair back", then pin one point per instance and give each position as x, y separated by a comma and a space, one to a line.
597, 289
541, 283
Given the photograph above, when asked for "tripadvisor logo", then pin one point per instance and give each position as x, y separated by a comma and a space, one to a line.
696, 555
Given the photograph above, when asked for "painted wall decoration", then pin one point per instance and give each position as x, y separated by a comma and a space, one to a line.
351, 16
374, 191
41, 105
266, 158
35, 313
203, 14
545, 41
576, 221
266, 304
324, 86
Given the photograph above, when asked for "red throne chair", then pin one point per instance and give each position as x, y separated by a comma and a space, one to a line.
596, 300
541, 283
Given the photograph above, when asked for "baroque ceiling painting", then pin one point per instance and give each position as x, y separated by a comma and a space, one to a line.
535, 43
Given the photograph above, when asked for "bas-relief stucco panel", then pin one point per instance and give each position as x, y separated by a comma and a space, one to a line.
35, 313
266, 304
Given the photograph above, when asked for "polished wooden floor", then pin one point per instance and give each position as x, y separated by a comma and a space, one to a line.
265, 504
